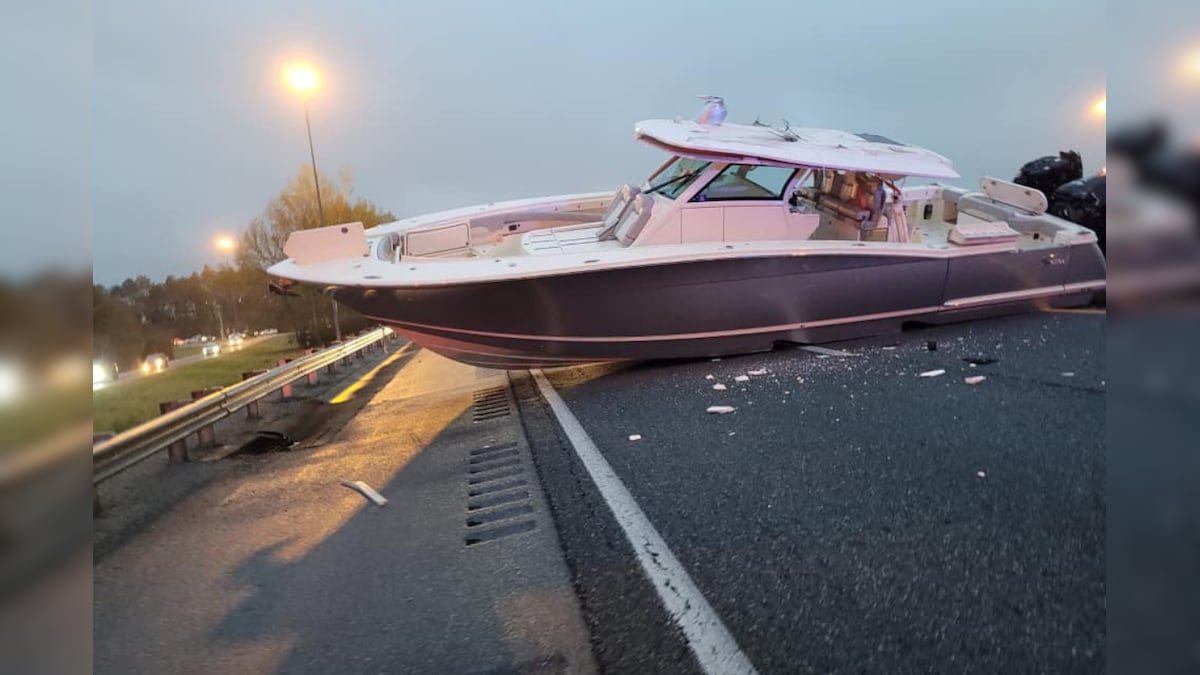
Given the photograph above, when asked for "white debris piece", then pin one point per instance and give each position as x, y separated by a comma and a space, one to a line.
975, 379
719, 387
635, 437
1068, 374
719, 409
760, 371
366, 491
709, 377
716, 359
825, 352
981, 474
932, 373
888, 348
741, 378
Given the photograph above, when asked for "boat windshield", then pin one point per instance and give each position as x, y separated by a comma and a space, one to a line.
675, 177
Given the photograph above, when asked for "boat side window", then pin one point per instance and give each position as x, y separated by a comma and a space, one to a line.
743, 182
675, 178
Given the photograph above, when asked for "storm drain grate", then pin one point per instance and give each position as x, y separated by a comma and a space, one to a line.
499, 502
478, 537
490, 404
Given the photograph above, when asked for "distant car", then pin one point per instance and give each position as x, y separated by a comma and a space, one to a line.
155, 363
236, 340
103, 371
211, 349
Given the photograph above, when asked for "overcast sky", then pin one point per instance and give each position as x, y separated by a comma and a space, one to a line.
445, 104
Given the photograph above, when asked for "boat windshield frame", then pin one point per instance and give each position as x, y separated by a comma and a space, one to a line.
674, 177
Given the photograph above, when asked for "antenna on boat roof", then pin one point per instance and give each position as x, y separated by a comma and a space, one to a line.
714, 110
785, 133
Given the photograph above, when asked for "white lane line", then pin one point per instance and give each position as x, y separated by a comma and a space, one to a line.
708, 638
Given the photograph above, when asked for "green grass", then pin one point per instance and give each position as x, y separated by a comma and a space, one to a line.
122, 405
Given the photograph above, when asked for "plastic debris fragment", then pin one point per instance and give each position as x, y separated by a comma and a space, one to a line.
888, 348
635, 437
719, 409
974, 379
932, 373
719, 387
760, 371
1068, 374
709, 377
981, 474
741, 378
366, 491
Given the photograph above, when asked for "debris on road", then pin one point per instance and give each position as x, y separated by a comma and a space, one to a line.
366, 491
716, 359
888, 348
709, 377
719, 409
719, 387
825, 352
1068, 374
635, 437
974, 379
931, 345
932, 373
760, 371
980, 360
981, 474
741, 378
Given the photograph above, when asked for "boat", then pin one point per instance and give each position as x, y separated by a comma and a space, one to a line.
747, 236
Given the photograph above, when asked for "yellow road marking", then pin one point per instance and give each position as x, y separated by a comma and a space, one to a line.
346, 393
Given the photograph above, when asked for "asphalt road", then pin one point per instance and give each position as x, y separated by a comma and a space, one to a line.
851, 516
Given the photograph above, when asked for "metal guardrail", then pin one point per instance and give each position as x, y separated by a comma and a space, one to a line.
131, 446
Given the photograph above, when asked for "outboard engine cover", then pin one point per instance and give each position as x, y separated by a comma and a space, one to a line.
1082, 202
1049, 172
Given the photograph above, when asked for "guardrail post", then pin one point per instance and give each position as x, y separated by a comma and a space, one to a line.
286, 390
252, 410
206, 437
312, 377
177, 452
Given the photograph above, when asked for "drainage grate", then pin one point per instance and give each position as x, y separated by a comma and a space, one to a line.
480, 536
490, 404
499, 502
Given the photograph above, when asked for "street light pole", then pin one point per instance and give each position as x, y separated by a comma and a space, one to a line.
313, 156
337, 319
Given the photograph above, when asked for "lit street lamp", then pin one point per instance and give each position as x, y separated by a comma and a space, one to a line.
303, 79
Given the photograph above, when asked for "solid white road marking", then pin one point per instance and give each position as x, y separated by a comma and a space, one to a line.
709, 640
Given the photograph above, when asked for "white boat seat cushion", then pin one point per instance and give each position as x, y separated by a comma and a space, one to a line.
966, 234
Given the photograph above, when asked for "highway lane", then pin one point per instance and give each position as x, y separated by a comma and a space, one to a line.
127, 375
851, 515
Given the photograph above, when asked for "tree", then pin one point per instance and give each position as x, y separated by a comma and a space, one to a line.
296, 209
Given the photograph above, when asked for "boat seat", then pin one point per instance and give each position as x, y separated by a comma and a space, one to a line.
617, 209
635, 219
560, 240
995, 232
